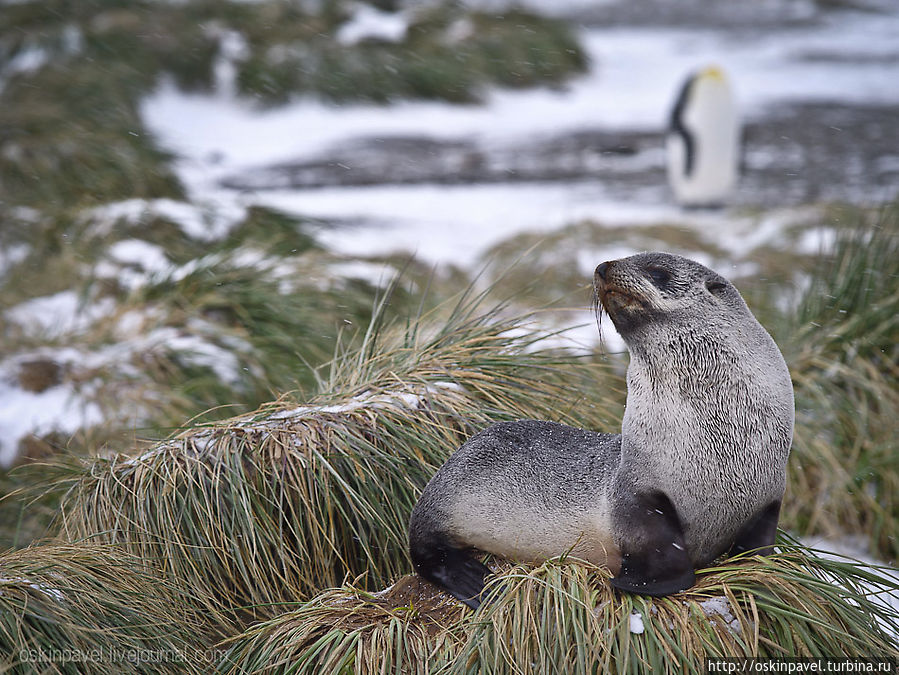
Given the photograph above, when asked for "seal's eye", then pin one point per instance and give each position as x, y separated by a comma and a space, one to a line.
659, 276
715, 287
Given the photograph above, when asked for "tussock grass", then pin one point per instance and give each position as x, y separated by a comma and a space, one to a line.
67, 608
215, 326
73, 137
566, 618
841, 345
410, 627
512, 262
24, 519
266, 508
448, 53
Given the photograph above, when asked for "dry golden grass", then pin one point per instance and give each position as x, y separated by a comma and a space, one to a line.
76, 608
262, 510
566, 618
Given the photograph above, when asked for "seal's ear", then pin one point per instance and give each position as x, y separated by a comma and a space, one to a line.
716, 285
759, 532
654, 558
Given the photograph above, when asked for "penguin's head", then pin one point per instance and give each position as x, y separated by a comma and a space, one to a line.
712, 73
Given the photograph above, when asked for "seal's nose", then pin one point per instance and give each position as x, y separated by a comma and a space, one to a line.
601, 270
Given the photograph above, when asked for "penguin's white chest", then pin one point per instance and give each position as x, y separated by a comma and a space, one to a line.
703, 143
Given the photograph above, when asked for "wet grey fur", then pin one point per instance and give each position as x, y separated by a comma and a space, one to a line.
708, 425
509, 477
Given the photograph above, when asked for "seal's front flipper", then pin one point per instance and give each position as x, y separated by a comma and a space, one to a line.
759, 533
654, 557
452, 569
462, 576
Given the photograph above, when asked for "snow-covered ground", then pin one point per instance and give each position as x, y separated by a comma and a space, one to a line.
855, 549
837, 55
846, 56
849, 57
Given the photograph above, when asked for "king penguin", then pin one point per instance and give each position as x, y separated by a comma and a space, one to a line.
703, 140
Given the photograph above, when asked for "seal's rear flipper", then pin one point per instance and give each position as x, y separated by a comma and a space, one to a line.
654, 558
452, 569
759, 533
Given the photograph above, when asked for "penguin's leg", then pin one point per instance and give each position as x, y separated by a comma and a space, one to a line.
759, 533
654, 556
449, 567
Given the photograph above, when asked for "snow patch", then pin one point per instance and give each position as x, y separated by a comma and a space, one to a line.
141, 254
720, 606
205, 223
580, 335
636, 623
197, 443
149, 454
54, 593
456, 224
376, 274
383, 592
233, 48
199, 352
11, 256
412, 400
857, 549
66, 409
134, 263
27, 60
60, 314
448, 386
59, 408
816, 241
133, 322
369, 23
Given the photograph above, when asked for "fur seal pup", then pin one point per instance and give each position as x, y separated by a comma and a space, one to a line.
703, 140
697, 471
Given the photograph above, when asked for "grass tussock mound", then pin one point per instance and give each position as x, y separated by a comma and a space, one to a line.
409, 627
841, 345
566, 618
67, 608
267, 508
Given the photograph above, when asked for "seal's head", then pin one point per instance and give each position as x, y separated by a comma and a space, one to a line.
662, 288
